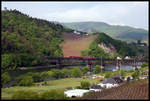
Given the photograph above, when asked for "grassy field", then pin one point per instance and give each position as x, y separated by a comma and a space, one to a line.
59, 85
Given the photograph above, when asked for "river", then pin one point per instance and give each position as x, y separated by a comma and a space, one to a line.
17, 73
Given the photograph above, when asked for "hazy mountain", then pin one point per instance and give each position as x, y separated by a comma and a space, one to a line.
126, 33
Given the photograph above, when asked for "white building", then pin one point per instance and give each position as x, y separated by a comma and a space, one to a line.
119, 58
78, 32
75, 31
127, 57
76, 92
108, 83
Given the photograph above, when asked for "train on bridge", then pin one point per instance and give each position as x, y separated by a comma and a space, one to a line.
81, 57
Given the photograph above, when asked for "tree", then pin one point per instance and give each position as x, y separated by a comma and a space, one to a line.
5, 78
76, 72
107, 75
56, 73
85, 70
65, 72
10, 61
85, 84
144, 65
50, 73
24, 80
44, 75
136, 74
96, 69
122, 72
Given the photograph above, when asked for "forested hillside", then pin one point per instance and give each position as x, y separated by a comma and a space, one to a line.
125, 33
25, 39
122, 48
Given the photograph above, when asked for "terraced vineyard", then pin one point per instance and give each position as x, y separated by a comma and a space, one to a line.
74, 44
133, 90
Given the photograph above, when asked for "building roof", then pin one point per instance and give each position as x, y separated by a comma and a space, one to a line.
96, 87
109, 80
118, 80
77, 91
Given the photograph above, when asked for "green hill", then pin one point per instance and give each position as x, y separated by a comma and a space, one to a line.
104, 46
24, 39
125, 33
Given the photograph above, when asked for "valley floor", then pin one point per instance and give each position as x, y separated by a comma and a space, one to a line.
59, 85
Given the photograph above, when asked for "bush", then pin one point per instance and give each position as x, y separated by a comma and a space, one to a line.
122, 72
25, 95
144, 65
36, 77
56, 73
85, 84
50, 73
44, 75
5, 78
53, 95
136, 74
10, 61
85, 70
107, 75
64, 73
96, 69
24, 80
76, 72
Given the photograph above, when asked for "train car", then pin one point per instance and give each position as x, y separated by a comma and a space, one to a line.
82, 57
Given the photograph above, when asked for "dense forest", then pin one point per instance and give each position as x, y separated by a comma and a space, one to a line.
25, 39
123, 49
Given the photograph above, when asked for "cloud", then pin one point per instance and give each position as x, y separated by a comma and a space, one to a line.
112, 13
117, 13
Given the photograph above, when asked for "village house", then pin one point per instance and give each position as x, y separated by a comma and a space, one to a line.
108, 83
96, 88
127, 57
143, 77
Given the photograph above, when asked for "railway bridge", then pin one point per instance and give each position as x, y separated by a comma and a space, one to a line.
61, 62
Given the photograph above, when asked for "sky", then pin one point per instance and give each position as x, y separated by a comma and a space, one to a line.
134, 14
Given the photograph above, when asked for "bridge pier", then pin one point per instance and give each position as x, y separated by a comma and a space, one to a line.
58, 64
118, 65
102, 68
134, 67
90, 66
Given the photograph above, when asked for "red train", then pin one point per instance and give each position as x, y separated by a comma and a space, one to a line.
82, 57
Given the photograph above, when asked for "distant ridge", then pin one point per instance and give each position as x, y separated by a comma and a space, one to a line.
125, 33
